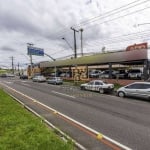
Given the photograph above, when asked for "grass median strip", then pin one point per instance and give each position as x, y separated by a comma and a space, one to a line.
21, 130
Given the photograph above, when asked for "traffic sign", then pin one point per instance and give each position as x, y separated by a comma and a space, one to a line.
35, 51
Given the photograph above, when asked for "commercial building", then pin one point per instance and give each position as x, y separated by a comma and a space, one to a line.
137, 57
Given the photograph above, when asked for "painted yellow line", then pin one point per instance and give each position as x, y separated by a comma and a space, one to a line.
99, 136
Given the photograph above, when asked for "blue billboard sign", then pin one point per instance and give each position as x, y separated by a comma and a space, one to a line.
35, 51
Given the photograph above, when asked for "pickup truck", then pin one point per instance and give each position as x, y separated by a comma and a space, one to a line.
97, 85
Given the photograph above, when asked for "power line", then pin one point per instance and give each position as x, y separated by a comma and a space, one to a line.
105, 15
110, 20
120, 37
121, 41
112, 12
117, 9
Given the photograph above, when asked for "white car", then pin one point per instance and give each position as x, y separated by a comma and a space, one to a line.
136, 89
135, 73
97, 85
39, 79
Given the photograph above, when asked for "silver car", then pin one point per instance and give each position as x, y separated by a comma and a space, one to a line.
39, 79
136, 89
55, 80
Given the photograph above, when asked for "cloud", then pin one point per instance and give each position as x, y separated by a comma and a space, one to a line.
45, 22
7, 49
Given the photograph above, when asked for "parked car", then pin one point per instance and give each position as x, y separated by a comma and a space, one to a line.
23, 77
121, 74
55, 80
136, 89
39, 79
94, 73
105, 74
64, 75
4, 75
135, 73
10, 75
97, 85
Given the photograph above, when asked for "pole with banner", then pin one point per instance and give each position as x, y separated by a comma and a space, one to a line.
33, 51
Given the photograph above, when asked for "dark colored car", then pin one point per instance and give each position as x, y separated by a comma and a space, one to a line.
106, 74
3, 75
121, 74
23, 77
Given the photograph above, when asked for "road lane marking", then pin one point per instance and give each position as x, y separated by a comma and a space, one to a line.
8, 82
26, 84
63, 94
103, 138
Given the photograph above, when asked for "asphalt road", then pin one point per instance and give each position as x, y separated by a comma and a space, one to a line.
124, 120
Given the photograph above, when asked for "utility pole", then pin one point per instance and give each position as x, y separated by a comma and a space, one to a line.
18, 66
12, 63
81, 42
18, 69
75, 47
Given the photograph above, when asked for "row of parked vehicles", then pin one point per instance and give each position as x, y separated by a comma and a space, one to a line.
121, 74
52, 80
136, 89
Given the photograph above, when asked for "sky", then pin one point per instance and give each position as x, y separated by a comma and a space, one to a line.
111, 25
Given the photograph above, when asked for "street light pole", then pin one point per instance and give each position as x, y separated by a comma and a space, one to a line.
53, 60
30, 44
12, 63
67, 43
142, 24
50, 56
81, 42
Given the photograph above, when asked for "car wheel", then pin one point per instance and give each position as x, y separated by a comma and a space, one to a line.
101, 91
121, 94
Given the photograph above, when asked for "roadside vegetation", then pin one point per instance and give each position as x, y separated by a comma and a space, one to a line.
3, 71
117, 86
21, 130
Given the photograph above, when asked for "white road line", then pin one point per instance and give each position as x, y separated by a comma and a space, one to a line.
61, 114
26, 84
25, 81
8, 82
63, 94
